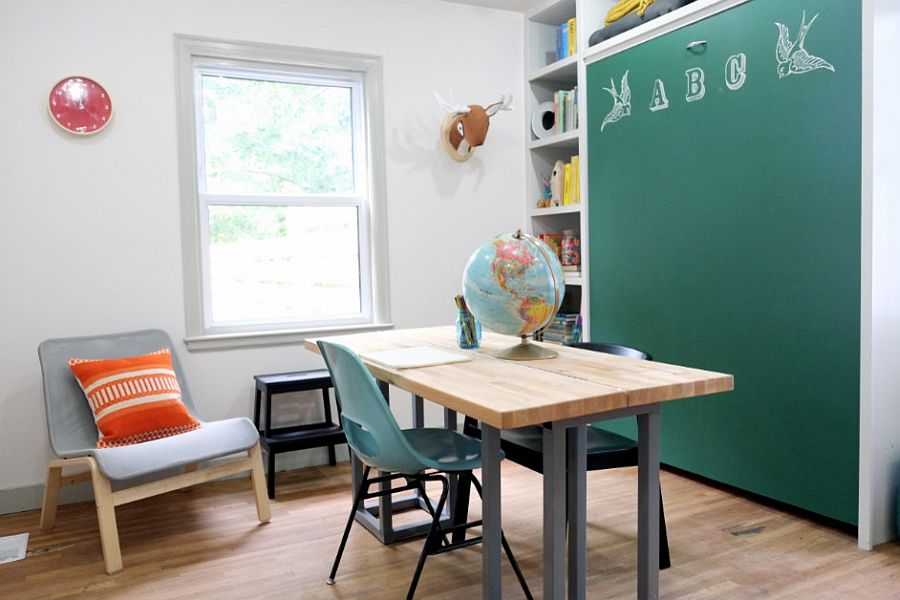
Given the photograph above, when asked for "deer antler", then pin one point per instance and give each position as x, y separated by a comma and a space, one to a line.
456, 109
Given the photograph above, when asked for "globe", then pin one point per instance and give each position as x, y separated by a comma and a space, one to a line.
513, 284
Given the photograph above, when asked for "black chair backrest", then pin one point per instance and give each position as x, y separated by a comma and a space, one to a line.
616, 349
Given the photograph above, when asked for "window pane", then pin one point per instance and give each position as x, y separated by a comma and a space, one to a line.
275, 137
283, 263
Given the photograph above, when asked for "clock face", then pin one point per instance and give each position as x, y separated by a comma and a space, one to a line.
80, 105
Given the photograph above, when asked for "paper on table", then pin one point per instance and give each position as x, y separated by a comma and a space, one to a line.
416, 356
13, 547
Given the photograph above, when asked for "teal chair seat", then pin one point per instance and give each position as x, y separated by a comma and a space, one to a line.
445, 450
417, 456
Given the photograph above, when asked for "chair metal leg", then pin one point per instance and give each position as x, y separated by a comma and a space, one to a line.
258, 478
664, 560
461, 508
424, 496
515, 566
357, 498
51, 497
509, 554
432, 539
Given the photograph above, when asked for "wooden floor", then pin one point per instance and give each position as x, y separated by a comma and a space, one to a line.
206, 543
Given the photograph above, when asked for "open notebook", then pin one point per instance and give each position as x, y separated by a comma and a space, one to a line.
416, 356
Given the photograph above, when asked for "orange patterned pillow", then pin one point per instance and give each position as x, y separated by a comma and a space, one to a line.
133, 399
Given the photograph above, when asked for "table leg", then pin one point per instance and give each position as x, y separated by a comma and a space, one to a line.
491, 582
648, 505
576, 510
418, 411
554, 512
386, 502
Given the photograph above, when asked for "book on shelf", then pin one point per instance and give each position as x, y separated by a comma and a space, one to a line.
562, 41
571, 36
565, 328
565, 109
576, 180
571, 182
572, 269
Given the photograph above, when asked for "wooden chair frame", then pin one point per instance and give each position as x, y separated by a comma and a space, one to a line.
106, 500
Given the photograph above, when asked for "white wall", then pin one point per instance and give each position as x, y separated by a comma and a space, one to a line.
89, 228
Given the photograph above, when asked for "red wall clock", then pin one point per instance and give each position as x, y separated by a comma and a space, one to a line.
80, 105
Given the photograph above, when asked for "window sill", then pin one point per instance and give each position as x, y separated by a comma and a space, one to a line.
227, 341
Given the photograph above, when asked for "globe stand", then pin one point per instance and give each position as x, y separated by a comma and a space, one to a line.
526, 351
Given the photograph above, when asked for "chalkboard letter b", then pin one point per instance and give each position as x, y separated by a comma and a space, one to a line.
696, 88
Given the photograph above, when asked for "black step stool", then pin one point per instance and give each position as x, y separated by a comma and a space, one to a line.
296, 437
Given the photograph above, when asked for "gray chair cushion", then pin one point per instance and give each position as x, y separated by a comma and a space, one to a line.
212, 440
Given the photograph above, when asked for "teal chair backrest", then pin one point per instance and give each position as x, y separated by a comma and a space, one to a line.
368, 423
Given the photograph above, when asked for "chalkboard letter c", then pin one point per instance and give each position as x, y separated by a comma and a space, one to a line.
736, 71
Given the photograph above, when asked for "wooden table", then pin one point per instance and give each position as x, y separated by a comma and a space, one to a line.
564, 394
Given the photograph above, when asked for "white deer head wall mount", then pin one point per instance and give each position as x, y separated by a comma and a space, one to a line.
465, 127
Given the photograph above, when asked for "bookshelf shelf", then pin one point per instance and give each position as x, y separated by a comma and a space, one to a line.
567, 140
573, 278
564, 72
554, 210
553, 12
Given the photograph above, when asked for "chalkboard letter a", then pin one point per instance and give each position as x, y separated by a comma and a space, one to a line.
696, 89
659, 100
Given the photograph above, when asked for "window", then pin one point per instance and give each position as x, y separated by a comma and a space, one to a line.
280, 190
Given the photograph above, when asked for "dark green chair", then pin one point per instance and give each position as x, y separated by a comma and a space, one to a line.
416, 456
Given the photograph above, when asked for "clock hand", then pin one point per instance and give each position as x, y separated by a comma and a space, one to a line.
81, 106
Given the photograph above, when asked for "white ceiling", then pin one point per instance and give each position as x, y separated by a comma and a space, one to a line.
516, 5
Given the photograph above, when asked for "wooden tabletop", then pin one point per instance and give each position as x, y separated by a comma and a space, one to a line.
508, 394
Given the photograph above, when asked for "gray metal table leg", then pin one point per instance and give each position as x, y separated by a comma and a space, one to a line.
491, 582
576, 508
554, 512
386, 502
648, 505
418, 411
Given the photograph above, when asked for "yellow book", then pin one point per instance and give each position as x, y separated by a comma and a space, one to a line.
576, 180
567, 185
572, 45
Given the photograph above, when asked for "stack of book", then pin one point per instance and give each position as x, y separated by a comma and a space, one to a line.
564, 329
565, 39
565, 109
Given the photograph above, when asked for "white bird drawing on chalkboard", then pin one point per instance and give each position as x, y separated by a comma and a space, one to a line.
793, 59
621, 101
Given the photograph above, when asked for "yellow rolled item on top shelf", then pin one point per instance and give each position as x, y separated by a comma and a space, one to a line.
624, 7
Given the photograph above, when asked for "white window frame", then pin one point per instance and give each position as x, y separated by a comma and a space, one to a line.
201, 56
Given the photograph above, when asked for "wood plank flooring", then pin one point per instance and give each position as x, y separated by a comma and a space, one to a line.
206, 543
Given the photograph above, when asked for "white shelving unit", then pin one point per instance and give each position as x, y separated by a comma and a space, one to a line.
544, 76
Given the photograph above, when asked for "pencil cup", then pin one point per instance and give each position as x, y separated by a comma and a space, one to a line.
468, 330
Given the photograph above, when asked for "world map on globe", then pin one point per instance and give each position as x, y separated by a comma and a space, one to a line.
513, 284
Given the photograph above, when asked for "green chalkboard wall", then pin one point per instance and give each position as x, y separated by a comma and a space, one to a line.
725, 234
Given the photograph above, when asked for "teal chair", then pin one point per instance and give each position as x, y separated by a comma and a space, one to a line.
416, 456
